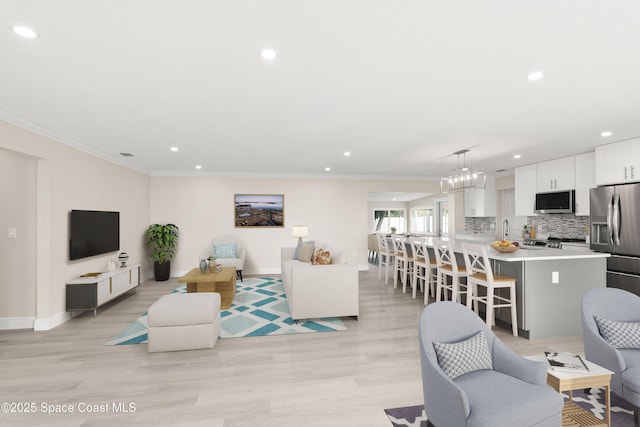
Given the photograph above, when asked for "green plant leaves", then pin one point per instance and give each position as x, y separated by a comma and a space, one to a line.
162, 240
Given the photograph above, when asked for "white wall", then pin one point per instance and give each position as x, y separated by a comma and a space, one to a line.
336, 211
65, 179
18, 256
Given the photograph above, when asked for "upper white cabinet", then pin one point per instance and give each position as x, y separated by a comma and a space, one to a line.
481, 202
585, 180
525, 182
618, 163
556, 175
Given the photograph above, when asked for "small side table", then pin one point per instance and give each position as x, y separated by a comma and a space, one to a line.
573, 415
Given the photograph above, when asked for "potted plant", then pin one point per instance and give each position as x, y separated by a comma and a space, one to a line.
162, 240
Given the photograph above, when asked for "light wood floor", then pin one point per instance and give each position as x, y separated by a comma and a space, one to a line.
322, 379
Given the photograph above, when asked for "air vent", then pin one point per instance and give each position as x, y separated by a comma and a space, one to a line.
501, 170
127, 155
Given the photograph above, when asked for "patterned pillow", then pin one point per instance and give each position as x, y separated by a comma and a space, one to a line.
306, 252
465, 356
225, 251
619, 334
321, 258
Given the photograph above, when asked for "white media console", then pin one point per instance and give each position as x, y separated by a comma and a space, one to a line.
89, 293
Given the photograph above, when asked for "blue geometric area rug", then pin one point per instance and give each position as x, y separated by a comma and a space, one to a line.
259, 308
621, 411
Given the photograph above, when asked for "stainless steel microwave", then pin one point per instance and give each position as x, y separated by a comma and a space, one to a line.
556, 202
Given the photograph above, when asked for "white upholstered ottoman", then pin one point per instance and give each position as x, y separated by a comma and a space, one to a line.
184, 321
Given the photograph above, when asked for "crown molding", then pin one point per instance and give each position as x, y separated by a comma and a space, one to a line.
62, 139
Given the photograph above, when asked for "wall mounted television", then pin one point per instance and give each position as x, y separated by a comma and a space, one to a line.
93, 233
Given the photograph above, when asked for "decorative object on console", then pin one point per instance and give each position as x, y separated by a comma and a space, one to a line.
111, 265
123, 258
300, 231
162, 240
463, 178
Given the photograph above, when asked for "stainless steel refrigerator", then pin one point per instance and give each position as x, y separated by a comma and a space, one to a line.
615, 228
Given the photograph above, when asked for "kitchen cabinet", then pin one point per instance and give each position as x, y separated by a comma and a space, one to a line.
556, 175
525, 189
481, 202
618, 163
585, 180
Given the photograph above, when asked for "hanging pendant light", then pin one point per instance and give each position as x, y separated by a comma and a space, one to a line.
463, 177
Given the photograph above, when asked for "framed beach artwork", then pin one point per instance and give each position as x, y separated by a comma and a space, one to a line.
259, 210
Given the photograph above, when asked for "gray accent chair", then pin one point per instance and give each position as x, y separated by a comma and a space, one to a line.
513, 393
622, 306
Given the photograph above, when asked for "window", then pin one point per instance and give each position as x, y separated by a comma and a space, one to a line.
422, 220
385, 219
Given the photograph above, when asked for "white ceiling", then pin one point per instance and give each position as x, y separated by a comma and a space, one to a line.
400, 84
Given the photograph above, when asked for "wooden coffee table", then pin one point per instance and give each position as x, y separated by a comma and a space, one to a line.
572, 414
223, 282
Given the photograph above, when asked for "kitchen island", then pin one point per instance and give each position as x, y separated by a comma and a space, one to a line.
549, 287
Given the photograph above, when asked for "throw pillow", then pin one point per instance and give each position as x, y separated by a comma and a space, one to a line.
465, 356
296, 253
321, 258
619, 334
306, 252
225, 251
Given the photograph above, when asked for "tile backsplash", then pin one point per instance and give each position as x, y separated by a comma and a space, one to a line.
480, 223
560, 225
556, 225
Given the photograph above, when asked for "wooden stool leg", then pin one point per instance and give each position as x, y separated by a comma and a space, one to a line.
514, 312
489, 313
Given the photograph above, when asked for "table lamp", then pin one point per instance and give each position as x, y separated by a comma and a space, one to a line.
300, 231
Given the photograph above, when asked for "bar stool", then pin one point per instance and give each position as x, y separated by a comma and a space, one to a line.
424, 269
385, 257
447, 266
403, 263
481, 274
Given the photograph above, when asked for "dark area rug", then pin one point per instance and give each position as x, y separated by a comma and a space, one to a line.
621, 411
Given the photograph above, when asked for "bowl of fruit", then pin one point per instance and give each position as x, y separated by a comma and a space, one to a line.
505, 246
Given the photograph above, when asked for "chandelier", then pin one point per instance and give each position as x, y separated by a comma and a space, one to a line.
463, 178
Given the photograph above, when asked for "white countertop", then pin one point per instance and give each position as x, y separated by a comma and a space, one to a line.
533, 253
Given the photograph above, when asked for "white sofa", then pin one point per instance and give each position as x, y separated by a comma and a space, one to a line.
320, 291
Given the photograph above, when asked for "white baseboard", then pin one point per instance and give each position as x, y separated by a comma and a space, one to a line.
8, 323
45, 324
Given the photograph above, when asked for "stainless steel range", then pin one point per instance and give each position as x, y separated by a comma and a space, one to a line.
551, 242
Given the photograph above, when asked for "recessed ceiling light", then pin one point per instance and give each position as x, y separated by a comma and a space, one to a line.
268, 54
536, 75
516, 156
174, 149
25, 32
327, 169
347, 153
606, 133
198, 167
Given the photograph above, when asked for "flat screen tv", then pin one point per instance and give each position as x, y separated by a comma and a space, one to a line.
93, 233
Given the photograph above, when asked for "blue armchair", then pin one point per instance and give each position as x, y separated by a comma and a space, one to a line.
512, 391
619, 306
